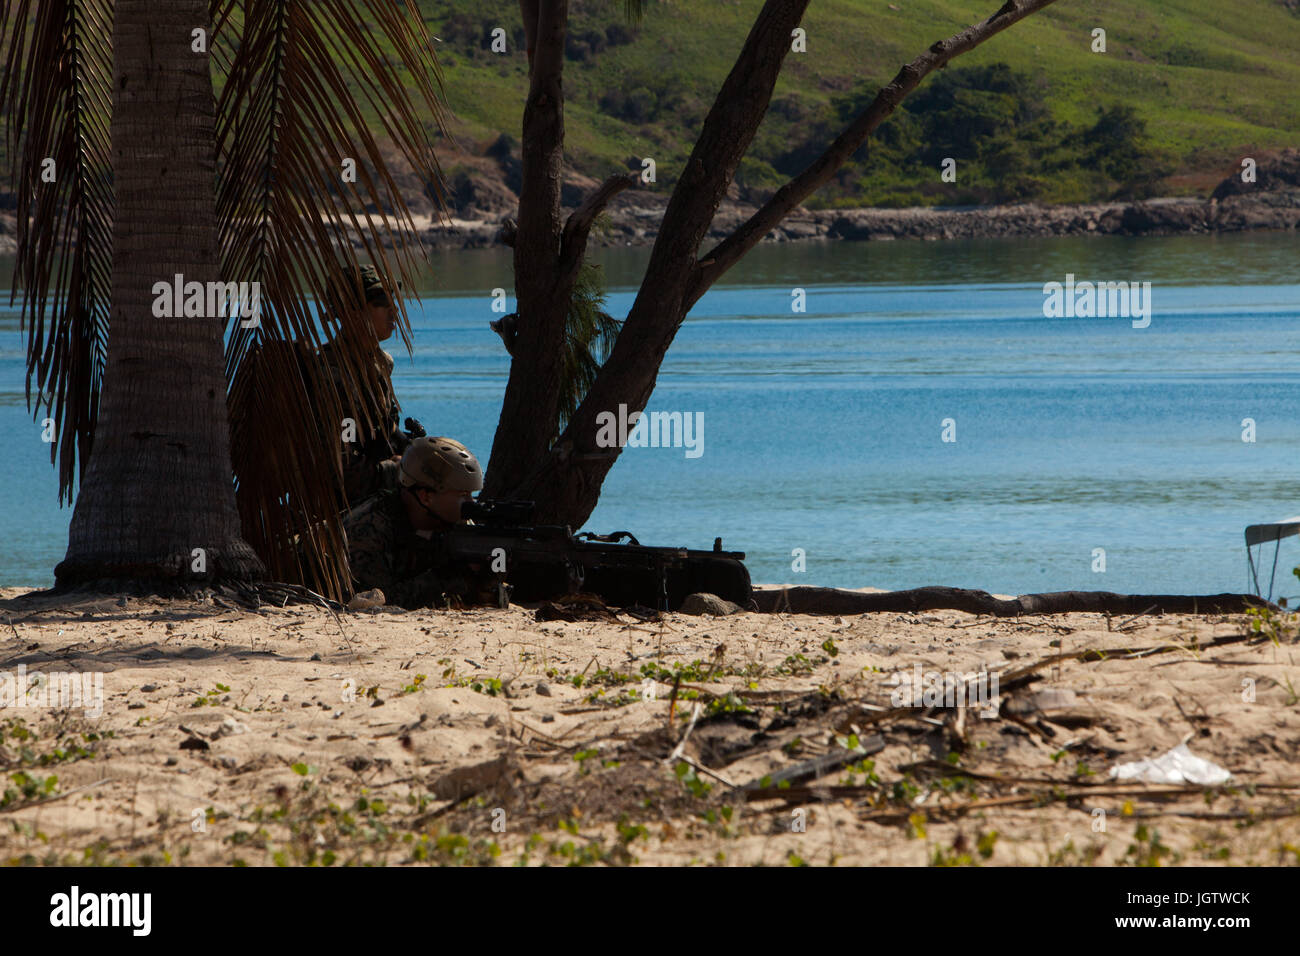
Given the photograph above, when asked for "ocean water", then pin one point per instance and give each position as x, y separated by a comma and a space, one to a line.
823, 453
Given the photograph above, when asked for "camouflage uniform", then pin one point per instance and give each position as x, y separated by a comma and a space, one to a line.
366, 465
386, 552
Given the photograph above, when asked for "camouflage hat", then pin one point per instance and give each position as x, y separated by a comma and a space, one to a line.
440, 464
358, 286
373, 287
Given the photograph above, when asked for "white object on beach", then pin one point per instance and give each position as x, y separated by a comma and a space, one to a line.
1260, 534
1179, 765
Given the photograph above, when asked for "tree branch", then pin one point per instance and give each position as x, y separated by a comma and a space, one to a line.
528, 11
728, 129
543, 154
728, 252
573, 243
628, 374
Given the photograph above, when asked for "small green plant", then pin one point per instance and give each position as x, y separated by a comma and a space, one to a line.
718, 818
415, 686
27, 789
867, 768
904, 791
629, 832
212, 698
728, 704
696, 671
690, 780
1070, 855
1266, 622
916, 825
1292, 698
69, 743
951, 856
623, 698
1147, 850
795, 665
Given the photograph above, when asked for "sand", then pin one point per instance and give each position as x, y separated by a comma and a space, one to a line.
292, 736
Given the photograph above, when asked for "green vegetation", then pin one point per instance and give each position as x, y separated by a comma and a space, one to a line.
1003, 144
1180, 93
24, 746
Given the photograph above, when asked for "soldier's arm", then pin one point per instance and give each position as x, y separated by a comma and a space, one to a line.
373, 567
426, 589
370, 562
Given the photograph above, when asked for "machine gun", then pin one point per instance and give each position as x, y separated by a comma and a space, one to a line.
382, 447
413, 429
528, 562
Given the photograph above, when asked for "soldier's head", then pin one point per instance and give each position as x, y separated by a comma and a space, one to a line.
359, 297
438, 475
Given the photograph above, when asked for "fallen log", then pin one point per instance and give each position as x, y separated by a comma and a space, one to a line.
809, 600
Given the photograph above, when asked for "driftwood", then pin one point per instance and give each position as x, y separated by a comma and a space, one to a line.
808, 600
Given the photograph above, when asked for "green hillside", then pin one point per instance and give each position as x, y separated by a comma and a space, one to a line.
1185, 89
1211, 82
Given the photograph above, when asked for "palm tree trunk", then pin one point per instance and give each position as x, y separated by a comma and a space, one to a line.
158, 498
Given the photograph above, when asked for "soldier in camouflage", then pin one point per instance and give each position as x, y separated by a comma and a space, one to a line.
367, 316
390, 534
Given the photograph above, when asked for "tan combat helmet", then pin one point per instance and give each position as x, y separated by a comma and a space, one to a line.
440, 464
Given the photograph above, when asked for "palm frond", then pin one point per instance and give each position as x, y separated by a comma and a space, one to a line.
293, 78
588, 336
55, 93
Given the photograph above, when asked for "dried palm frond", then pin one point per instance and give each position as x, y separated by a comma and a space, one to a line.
55, 81
292, 78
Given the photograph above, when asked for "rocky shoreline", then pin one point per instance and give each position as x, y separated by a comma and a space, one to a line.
635, 223
1272, 202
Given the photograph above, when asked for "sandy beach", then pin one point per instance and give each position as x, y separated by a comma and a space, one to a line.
294, 736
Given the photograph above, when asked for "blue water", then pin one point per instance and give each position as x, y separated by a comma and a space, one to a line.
823, 430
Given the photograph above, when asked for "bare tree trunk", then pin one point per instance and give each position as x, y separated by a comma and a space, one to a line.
567, 484
566, 480
158, 498
531, 405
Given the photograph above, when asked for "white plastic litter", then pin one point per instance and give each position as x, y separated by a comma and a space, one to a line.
1179, 765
